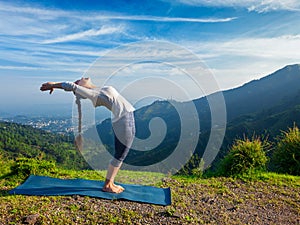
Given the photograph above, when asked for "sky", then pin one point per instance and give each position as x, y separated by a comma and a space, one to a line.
237, 41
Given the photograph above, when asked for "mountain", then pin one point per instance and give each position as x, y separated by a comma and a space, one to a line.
264, 93
268, 123
259, 105
259, 94
265, 106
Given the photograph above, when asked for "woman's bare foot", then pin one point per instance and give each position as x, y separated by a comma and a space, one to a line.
119, 186
112, 188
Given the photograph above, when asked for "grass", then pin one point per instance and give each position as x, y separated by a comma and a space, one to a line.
258, 198
124, 176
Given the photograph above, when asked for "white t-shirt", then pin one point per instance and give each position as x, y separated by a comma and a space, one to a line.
106, 96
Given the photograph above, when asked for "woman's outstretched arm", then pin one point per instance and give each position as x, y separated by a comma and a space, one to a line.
67, 86
49, 86
83, 92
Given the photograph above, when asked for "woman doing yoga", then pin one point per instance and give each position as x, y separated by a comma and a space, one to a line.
122, 122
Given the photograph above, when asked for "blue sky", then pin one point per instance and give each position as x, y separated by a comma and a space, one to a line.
59, 40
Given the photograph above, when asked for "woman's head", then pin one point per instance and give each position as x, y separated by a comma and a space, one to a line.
85, 82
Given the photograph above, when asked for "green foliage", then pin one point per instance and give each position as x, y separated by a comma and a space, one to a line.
23, 167
194, 167
21, 141
286, 156
244, 156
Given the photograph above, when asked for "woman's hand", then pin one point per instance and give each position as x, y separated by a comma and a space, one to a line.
49, 86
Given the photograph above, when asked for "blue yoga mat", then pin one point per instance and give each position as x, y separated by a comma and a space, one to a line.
48, 186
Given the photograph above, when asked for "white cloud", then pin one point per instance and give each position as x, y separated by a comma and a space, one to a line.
166, 19
104, 30
251, 5
18, 9
238, 61
39, 23
61, 68
287, 46
234, 62
282, 47
20, 20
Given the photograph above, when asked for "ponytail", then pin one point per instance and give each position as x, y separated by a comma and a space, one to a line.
78, 102
79, 137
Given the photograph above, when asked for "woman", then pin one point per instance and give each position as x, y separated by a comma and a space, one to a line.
123, 121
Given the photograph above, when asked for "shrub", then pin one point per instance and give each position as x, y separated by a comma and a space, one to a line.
194, 167
23, 167
286, 156
244, 156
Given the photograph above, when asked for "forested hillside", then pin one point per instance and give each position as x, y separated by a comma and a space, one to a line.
264, 106
267, 92
24, 141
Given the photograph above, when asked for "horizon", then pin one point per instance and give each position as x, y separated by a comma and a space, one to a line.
237, 41
65, 109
